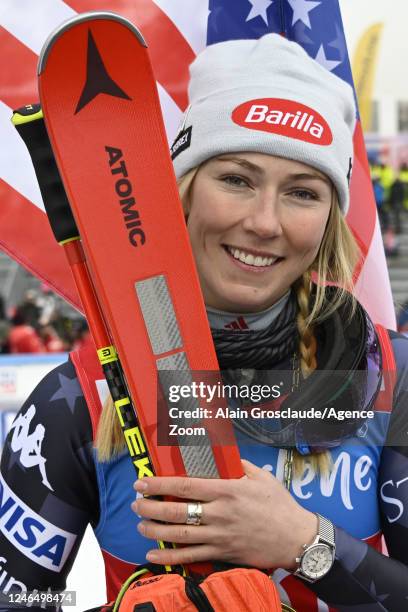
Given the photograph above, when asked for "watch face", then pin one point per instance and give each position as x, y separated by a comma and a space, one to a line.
317, 561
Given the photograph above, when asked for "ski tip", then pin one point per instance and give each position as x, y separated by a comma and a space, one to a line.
81, 18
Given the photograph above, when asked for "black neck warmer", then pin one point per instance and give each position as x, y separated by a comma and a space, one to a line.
348, 375
258, 349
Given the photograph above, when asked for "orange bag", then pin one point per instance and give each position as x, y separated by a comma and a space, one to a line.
235, 590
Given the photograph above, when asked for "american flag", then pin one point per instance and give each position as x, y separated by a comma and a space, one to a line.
175, 30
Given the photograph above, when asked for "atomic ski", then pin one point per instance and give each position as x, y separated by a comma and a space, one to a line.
103, 117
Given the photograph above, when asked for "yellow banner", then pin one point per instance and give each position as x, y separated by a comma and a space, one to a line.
364, 67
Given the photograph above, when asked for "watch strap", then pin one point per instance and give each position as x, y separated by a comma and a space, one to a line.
325, 530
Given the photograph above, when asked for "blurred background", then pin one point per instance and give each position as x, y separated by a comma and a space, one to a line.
378, 47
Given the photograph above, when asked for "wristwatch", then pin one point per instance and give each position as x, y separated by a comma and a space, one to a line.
317, 558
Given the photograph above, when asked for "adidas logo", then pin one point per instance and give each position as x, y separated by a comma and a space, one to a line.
239, 324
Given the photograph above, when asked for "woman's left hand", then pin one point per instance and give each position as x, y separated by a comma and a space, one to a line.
251, 521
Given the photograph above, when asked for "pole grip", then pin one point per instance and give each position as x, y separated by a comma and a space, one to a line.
29, 122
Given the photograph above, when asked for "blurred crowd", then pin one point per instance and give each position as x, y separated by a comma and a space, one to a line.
39, 325
391, 196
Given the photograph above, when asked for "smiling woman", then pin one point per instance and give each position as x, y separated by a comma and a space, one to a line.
256, 222
300, 188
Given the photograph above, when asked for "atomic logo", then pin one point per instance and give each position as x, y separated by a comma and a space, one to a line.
97, 78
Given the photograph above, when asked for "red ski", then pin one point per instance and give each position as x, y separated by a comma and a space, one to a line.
103, 117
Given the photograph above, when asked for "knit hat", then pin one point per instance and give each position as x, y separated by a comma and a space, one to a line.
268, 96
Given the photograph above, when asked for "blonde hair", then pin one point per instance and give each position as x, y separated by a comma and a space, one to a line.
334, 264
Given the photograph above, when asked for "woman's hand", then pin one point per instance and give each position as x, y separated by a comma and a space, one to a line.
251, 521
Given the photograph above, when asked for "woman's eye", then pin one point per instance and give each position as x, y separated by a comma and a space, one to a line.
235, 181
304, 194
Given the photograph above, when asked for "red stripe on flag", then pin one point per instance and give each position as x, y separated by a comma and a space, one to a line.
169, 51
362, 214
375, 541
18, 84
34, 246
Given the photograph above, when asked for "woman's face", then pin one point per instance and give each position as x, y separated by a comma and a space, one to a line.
255, 223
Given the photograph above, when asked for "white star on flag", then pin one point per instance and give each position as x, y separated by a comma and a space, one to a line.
301, 10
259, 8
323, 61
339, 43
300, 34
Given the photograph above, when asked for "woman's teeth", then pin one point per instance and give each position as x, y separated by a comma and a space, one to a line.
250, 259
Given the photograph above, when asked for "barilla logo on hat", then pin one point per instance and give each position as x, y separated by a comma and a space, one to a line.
283, 117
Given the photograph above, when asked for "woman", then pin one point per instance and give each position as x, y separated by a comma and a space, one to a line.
264, 170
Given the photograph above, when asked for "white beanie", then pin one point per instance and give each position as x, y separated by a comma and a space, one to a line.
268, 96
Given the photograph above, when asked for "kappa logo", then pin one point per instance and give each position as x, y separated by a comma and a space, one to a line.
31, 534
283, 117
29, 444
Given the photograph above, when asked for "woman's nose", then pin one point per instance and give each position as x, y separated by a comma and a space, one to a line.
264, 219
